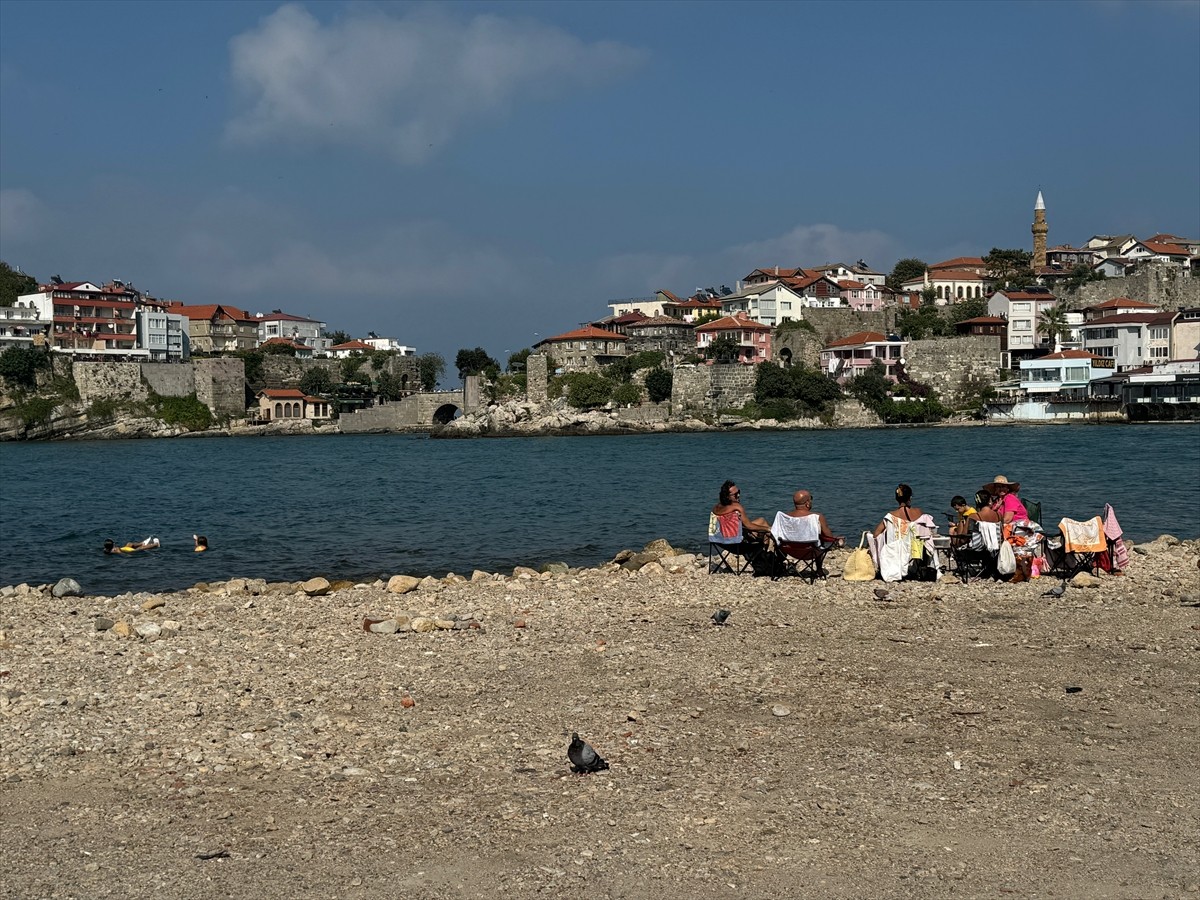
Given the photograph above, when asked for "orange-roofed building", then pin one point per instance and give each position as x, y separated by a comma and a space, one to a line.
350, 348
300, 351
289, 403
753, 339
1065, 374
586, 349
1117, 306
854, 354
218, 327
1153, 251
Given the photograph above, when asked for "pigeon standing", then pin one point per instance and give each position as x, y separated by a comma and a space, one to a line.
1057, 591
720, 616
883, 594
583, 757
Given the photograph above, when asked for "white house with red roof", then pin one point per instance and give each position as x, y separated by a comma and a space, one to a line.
949, 285
692, 309
768, 303
276, 404
87, 319
350, 348
852, 355
1023, 310
753, 339
1153, 251
1066, 374
1117, 306
586, 349
298, 350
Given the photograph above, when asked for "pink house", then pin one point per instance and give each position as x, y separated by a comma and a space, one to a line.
860, 296
753, 338
854, 354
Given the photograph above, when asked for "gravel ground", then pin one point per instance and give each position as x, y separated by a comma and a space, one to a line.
950, 741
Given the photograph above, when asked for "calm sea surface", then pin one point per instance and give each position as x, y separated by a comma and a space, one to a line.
360, 506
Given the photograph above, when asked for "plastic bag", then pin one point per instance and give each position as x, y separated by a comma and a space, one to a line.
1006, 562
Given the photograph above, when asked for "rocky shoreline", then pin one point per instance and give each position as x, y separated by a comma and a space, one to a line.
253, 739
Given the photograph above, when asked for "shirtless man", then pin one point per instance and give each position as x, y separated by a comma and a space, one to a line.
802, 506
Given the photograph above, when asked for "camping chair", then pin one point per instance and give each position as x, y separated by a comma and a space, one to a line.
729, 548
798, 543
977, 557
1075, 548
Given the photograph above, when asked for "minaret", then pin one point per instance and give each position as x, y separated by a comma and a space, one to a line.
1040, 228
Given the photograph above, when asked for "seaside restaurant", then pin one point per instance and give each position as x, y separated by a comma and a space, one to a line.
1066, 375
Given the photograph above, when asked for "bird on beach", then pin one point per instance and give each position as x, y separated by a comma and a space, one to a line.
583, 757
720, 616
883, 594
1057, 591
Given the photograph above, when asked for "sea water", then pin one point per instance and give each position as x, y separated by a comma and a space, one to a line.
360, 506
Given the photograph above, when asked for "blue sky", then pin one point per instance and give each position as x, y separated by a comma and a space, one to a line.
466, 174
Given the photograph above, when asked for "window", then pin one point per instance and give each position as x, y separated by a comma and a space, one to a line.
1158, 353
1021, 324
1020, 307
1077, 373
1158, 334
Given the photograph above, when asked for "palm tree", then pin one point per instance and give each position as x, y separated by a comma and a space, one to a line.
1053, 324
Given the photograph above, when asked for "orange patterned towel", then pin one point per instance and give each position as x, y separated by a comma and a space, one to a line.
1083, 537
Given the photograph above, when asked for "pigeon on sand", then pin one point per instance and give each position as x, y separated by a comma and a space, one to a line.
583, 757
883, 594
720, 616
1057, 591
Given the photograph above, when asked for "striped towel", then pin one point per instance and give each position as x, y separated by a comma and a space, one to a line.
1112, 530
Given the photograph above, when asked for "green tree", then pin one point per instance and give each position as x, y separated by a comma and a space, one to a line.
704, 318
349, 368
389, 386
659, 383
905, 270
771, 382
1009, 268
278, 350
927, 321
871, 388
586, 390
967, 309
430, 367
627, 394
337, 337
516, 361
316, 381
623, 369
19, 365
13, 284
1052, 323
928, 295
474, 362
724, 348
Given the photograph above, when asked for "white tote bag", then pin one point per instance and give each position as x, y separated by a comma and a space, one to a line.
894, 558
1006, 562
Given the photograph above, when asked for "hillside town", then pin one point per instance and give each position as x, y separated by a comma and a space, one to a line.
1058, 332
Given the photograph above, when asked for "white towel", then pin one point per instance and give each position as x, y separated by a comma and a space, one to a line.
990, 532
797, 529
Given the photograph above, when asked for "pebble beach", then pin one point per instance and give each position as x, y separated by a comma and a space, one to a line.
408, 737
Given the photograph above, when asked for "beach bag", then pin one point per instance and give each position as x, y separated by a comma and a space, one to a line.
1006, 562
894, 558
860, 566
918, 547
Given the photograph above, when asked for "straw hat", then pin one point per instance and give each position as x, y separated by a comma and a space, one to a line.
1001, 481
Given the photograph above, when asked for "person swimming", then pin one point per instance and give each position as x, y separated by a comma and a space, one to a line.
201, 543
149, 543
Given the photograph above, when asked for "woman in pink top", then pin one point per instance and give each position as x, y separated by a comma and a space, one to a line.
1005, 501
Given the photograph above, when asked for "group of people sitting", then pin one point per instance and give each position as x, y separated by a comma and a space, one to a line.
996, 502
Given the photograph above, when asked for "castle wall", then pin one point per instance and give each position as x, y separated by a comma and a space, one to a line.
1160, 284
704, 389
944, 362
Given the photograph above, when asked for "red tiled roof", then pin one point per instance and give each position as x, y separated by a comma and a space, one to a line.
212, 311
1027, 295
1165, 249
587, 331
693, 303
668, 295
1146, 318
1122, 303
1079, 354
352, 345
733, 323
778, 272
951, 275
984, 320
286, 342
957, 263
282, 394
859, 337
1167, 239
660, 320
849, 285
283, 317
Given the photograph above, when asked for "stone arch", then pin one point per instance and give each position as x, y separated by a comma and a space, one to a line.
404, 382
960, 296
785, 357
445, 414
279, 410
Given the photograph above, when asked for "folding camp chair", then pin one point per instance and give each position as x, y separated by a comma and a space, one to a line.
730, 549
1076, 547
976, 558
799, 547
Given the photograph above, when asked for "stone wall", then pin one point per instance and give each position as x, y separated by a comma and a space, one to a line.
170, 379
537, 376
110, 381
1160, 284
832, 324
282, 371
704, 389
221, 385
796, 346
942, 363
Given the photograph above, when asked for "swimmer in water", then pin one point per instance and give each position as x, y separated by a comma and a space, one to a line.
201, 543
149, 543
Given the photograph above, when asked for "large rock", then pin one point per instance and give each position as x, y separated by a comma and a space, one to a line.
402, 584
316, 587
66, 587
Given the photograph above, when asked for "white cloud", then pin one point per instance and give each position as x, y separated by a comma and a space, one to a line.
403, 86
804, 245
22, 215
